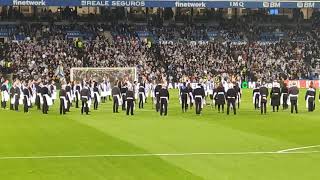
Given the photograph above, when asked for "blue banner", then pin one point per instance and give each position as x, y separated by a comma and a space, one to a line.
168, 3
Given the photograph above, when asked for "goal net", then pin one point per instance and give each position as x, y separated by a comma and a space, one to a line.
97, 74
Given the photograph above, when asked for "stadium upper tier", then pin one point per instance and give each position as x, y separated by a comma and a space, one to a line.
169, 3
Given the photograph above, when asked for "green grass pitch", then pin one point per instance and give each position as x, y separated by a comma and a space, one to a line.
104, 133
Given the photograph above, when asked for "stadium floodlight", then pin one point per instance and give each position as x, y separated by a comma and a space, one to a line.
98, 74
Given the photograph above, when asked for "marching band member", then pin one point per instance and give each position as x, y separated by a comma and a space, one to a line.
256, 97
310, 98
4, 94
184, 97
63, 99
96, 96
26, 98
77, 89
69, 96
142, 95
157, 96
275, 96
284, 96
220, 97
17, 94
123, 90
130, 100
293, 97
116, 94
85, 97
199, 95
238, 90
263, 91
53, 91
46, 98
164, 99
231, 97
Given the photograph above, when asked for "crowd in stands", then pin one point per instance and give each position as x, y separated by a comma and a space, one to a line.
232, 48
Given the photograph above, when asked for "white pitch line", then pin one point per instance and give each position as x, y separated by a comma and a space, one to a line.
298, 148
148, 155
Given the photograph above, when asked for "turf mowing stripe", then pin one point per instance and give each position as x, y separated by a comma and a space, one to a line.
298, 148
159, 154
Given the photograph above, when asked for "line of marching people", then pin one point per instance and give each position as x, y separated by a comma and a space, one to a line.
126, 94
285, 96
223, 92
28, 93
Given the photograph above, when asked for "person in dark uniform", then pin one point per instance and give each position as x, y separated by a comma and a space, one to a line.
17, 93
220, 97
231, 96
68, 90
238, 90
123, 90
4, 94
164, 99
96, 95
157, 96
130, 100
12, 97
284, 96
45, 93
275, 96
293, 97
199, 94
77, 93
184, 97
85, 97
256, 97
263, 91
26, 97
142, 95
310, 98
190, 90
63, 100
38, 94
116, 93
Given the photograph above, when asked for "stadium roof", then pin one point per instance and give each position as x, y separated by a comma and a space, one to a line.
170, 3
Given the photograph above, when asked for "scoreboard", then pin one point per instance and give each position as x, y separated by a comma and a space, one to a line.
170, 3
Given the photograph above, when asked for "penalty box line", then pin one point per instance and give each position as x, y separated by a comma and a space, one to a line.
158, 154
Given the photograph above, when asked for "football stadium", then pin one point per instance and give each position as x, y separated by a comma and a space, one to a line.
159, 89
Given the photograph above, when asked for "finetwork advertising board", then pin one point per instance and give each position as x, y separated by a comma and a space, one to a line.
168, 3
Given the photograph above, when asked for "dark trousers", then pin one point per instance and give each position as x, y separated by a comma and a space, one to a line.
294, 105
77, 100
163, 106
198, 102
256, 103
263, 107
222, 107
157, 103
45, 106
84, 107
233, 103
62, 108
25, 105
238, 98
285, 104
16, 104
95, 103
37, 102
115, 104
3, 104
130, 106
311, 106
184, 104
273, 108
140, 101
123, 102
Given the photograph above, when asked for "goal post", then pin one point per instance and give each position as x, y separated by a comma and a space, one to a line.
98, 74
